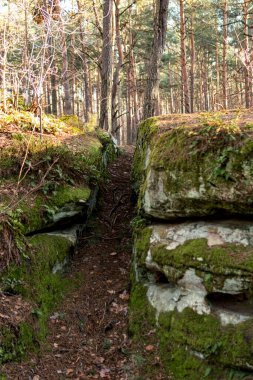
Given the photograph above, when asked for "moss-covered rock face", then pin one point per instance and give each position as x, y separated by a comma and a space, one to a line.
195, 165
47, 183
44, 180
193, 346
36, 286
197, 278
196, 346
45, 211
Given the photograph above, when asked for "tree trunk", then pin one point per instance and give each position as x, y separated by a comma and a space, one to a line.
90, 85
25, 81
184, 74
224, 60
192, 60
153, 79
133, 89
67, 103
246, 54
116, 76
87, 100
54, 92
205, 81
4, 63
217, 95
106, 67
128, 110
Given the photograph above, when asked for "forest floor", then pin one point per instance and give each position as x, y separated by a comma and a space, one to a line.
88, 332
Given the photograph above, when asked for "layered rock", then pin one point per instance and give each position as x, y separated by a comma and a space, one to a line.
197, 278
195, 165
197, 259
193, 266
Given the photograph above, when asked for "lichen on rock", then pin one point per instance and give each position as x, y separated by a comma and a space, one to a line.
197, 279
194, 165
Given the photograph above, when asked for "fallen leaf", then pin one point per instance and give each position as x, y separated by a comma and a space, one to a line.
4, 316
149, 348
104, 373
111, 291
69, 371
124, 296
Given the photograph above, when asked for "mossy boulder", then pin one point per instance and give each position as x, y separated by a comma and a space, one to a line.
220, 253
65, 205
195, 165
192, 346
196, 346
196, 278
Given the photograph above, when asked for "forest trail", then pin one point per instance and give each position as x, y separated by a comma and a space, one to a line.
88, 331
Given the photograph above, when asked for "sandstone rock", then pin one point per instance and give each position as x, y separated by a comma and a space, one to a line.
195, 165
221, 253
197, 278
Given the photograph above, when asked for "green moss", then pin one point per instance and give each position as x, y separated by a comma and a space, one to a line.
27, 121
229, 346
15, 343
36, 282
48, 250
146, 130
217, 259
142, 244
195, 151
103, 137
33, 277
44, 207
196, 346
210, 152
182, 337
201, 333
182, 146
142, 314
70, 194
76, 164
32, 216
142, 328
6, 162
110, 152
181, 363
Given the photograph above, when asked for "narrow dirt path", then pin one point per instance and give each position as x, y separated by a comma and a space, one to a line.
88, 332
